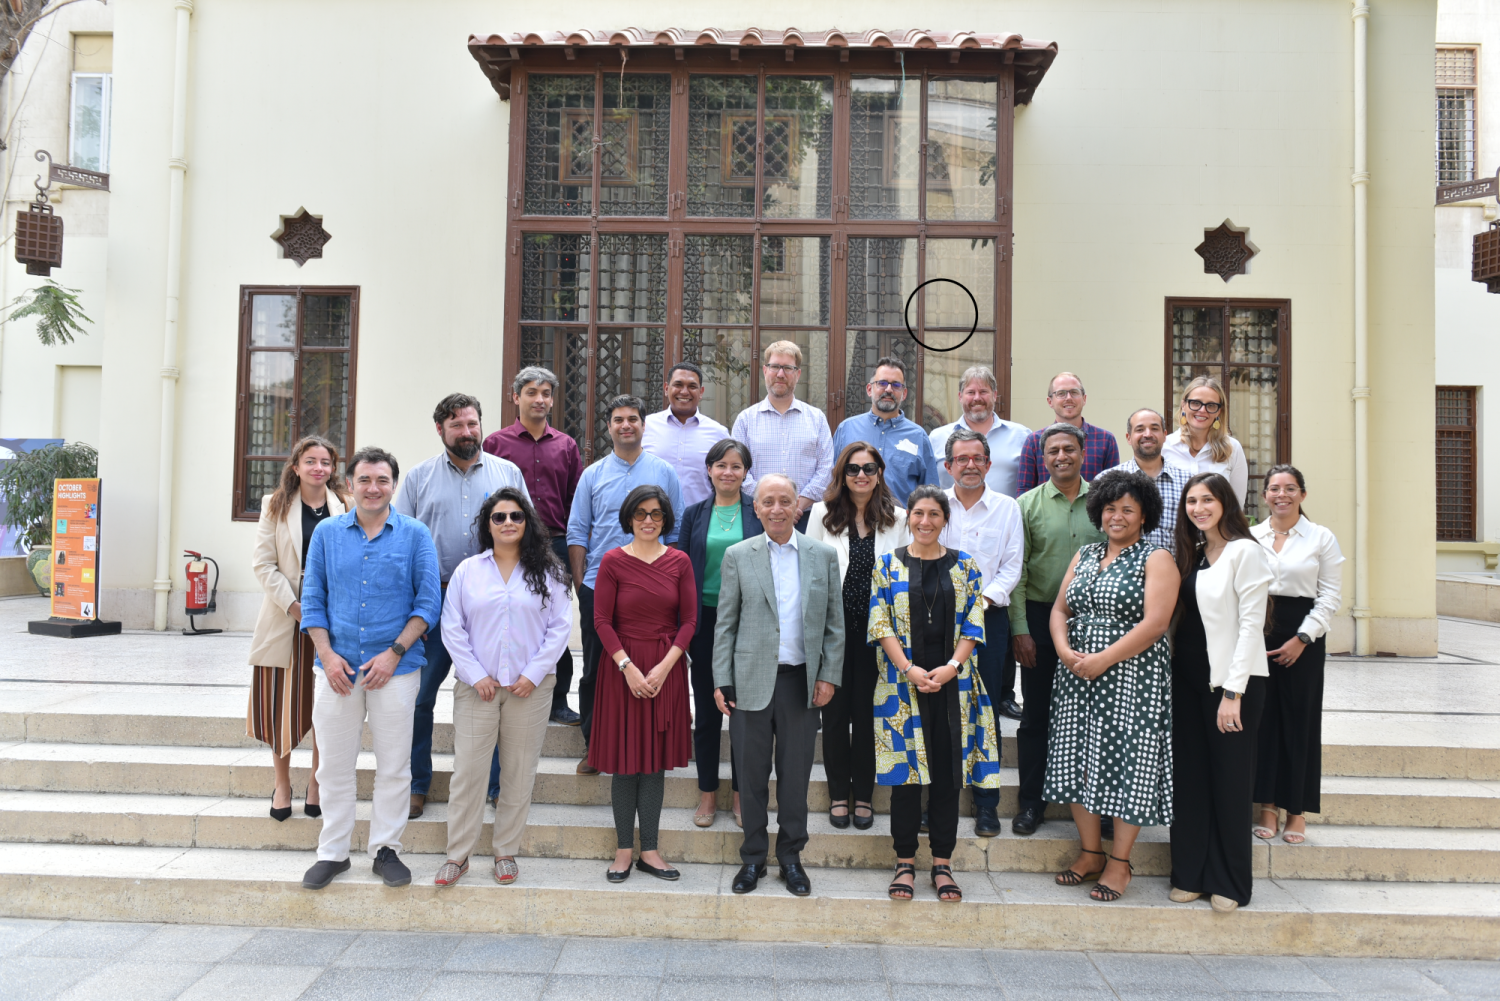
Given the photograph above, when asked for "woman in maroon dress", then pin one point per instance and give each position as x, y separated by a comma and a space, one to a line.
645, 612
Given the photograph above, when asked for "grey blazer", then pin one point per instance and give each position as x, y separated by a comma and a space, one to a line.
749, 629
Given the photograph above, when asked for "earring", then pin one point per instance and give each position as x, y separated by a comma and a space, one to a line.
1216, 424
1182, 419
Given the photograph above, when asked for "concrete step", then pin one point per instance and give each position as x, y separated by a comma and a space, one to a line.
215, 771
573, 831
571, 897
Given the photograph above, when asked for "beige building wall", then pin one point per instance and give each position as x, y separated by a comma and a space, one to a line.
1152, 125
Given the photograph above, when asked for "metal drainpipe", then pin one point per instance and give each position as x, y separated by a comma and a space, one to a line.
178, 168
1361, 394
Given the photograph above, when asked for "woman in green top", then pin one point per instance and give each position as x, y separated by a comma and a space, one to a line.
708, 529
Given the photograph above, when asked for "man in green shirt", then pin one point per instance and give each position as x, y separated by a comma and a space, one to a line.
1056, 526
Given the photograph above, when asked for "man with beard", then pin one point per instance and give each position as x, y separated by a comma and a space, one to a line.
787, 435
901, 442
444, 493
978, 393
1145, 433
682, 434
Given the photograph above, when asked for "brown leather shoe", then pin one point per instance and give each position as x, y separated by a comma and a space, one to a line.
417, 802
584, 768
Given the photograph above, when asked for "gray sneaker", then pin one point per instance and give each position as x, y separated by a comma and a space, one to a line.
390, 868
322, 873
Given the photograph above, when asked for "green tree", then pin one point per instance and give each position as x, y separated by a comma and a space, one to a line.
26, 482
56, 309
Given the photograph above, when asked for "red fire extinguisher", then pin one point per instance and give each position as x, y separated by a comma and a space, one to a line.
201, 599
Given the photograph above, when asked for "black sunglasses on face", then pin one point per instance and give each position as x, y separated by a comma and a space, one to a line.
501, 517
854, 469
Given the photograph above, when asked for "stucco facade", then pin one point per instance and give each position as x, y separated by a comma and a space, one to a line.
1154, 124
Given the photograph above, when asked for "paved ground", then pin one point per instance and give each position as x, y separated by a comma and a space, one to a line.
141, 962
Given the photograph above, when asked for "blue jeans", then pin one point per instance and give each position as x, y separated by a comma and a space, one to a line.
434, 673
991, 671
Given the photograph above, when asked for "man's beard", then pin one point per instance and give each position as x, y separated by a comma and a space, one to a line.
1141, 453
465, 448
887, 405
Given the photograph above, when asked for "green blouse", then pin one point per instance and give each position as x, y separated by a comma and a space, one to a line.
724, 530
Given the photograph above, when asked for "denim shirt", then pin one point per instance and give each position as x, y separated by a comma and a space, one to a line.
364, 591
901, 442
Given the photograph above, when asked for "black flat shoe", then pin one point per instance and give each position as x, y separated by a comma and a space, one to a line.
986, 824
389, 867
312, 810
1026, 822
322, 873
840, 821
1008, 709
748, 878
280, 813
796, 879
864, 821
667, 873
617, 875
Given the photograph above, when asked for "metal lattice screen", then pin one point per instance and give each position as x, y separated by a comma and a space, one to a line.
1457, 484
1457, 84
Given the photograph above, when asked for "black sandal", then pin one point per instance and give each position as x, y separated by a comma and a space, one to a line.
902, 891
950, 894
1108, 894
1070, 878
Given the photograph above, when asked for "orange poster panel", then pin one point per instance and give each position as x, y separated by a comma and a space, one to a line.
75, 549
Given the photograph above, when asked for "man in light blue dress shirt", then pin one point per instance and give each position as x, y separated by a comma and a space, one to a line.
594, 529
901, 442
682, 434
978, 393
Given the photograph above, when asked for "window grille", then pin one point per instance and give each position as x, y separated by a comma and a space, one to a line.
1457, 115
1457, 472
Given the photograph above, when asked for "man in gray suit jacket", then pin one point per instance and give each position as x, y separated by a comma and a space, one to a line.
778, 655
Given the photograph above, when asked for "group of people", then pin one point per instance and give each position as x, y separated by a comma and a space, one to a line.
792, 578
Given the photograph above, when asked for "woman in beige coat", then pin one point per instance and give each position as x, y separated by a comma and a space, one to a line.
281, 690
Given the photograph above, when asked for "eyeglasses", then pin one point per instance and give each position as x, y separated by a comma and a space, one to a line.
1196, 405
1279, 489
854, 469
883, 384
969, 460
783, 369
657, 516
501, 517
1066, 394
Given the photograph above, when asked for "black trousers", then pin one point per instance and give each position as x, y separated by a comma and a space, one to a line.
565, 662
708, 722
1289, 750
1213, 775
849, 720
784, 732
942, 794
1036, 706
593, 649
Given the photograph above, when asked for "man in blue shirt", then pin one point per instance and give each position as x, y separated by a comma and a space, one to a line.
901, 442
594, 529
369, 593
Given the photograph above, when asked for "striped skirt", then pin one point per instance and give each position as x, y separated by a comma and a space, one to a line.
281, 700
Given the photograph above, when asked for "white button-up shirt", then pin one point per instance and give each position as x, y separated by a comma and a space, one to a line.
1310, 565
992, 533
500, 628
787, 577
684, 446
1006, 439
796, 444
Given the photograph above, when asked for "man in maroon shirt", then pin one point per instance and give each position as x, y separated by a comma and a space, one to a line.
551, 465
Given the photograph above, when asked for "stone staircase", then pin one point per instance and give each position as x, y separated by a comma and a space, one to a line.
119, 812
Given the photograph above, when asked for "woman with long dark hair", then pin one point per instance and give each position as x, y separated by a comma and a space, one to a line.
506, 620
1218, 693
858, 516
281, 689
1307, 578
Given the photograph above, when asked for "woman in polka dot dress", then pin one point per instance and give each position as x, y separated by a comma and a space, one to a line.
1110, 751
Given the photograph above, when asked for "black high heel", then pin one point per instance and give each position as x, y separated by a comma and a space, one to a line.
281, 813
312, 810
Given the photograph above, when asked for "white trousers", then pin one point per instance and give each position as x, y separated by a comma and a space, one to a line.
519, 726
339, 721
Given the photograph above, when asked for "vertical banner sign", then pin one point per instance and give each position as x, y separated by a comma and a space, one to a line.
75, 549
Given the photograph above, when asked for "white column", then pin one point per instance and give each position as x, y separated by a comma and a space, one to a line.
177, 168
1361, 182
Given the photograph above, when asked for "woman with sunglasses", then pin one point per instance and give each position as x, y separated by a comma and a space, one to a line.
1202, 444
645, 611
859, 518
506, 620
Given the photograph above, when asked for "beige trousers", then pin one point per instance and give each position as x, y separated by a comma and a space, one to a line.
519, 725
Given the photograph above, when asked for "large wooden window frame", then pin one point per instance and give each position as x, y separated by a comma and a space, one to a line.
240, 511
842, 65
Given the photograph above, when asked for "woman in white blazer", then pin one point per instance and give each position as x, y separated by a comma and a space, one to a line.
1218, 693
1202, 442
281, 689
859, 518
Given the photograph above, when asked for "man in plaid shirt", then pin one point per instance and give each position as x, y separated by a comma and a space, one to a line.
1146, 431
1066, 397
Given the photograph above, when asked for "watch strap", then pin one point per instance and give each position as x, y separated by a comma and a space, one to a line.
1306, 639
400, 650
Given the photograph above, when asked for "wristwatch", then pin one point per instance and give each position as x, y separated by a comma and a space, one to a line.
1306, 639
1233, 696
400, 650
954, 664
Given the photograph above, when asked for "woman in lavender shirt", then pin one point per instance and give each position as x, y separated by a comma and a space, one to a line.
506, 622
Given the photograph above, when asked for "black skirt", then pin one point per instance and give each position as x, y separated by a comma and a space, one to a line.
1289, 766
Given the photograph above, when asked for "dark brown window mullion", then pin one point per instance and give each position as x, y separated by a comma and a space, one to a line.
591, 352
676, 258
677, 145
296, 414
838, 271
515, 181
919, 377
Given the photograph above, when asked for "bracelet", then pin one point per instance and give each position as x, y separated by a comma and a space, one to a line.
622, 665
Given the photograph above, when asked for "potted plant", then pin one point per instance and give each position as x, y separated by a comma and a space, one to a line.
26, 482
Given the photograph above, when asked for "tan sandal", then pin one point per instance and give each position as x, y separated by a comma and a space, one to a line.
1267, 833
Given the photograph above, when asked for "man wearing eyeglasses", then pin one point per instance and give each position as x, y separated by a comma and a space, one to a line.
901, 442
444, 493
978, 395
787, 435
594, 529
1066, 397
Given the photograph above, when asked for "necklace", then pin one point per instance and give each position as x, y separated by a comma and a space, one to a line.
930, 605
725, 526
630, 548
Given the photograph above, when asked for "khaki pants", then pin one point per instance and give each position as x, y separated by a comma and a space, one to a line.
519, 725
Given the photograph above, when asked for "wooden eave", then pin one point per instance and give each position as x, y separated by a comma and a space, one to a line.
497, 54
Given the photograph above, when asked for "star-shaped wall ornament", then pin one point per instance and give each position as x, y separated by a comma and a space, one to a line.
1226, 251
301, 236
